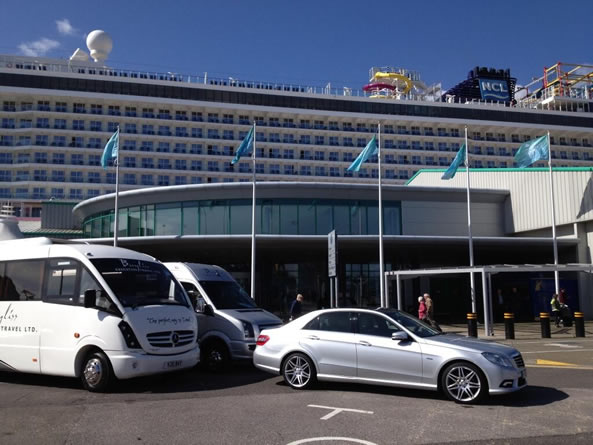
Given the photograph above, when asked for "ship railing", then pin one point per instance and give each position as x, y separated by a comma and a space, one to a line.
92, 69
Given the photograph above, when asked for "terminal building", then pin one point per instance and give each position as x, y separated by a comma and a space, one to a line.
179, 133
424, 226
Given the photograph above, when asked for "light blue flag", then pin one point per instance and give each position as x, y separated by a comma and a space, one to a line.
111, 149
459, 159
245, 147
532, 151
369, 150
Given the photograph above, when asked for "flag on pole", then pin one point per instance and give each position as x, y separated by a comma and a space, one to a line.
532, 151
245, 147
459, 159
111, 149
369, 150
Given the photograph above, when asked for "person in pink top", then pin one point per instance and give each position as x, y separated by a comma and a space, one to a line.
421, 308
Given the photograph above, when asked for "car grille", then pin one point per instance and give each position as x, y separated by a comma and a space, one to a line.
519, 361
170, 339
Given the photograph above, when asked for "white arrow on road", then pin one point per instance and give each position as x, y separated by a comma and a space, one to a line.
336, 410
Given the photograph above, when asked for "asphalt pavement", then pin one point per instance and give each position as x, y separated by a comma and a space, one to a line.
246, 406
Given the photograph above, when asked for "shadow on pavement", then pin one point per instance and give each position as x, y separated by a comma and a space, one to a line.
528, 396
190, 380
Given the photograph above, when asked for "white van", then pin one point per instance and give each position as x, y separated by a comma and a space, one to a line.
90, 311
229, 321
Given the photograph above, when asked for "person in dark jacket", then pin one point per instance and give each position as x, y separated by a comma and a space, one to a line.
296, 307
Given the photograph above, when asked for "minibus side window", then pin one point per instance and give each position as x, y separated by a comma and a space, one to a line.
21, 280
195, 295
62, 277
88, 282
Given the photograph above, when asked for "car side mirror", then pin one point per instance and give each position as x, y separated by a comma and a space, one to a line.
90, 298
208, 310
400, 336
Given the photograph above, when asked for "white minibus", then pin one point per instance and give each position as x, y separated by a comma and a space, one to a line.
91, 311
229, 320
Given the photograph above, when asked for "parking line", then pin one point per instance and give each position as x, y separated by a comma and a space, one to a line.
564, 351
552, 363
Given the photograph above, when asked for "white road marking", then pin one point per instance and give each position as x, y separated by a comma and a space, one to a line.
563, 345
556, 350
332, 439
336, 410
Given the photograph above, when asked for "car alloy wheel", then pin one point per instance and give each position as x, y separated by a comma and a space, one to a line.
463, 383
298, 371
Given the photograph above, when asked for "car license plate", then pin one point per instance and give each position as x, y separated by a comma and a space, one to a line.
173, 364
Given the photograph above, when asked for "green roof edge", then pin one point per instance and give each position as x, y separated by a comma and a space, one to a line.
513, 169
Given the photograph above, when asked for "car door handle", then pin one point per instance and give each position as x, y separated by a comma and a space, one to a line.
313, 337
364, 343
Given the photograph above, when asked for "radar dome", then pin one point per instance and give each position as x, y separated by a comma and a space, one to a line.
99, 44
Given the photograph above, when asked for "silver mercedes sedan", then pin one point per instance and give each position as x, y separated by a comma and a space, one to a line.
387, 347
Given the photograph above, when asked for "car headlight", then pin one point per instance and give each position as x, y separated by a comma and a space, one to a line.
247, 329
498, 359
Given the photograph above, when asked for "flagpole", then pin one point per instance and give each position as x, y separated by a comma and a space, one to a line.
253, 206
554, 240
469, 229
115, 228
381, 262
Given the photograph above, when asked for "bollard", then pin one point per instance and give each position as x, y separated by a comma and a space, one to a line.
579, 324
544, 320
509, 326
472, 324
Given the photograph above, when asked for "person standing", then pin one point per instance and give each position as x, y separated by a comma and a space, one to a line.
421, 308
429, 308
555, 304
296, 307
562, 297
430, 312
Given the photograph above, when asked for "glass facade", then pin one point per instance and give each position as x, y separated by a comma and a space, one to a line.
233, 217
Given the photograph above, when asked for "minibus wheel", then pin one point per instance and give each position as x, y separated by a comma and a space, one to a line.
96, 373
215, 356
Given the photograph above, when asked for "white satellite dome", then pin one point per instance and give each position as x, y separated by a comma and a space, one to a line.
99, 44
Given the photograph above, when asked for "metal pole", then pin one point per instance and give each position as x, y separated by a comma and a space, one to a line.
331, 292
399, 292
554, 241
253, 207
116, 221
386, 281
381, 262
487, 327
337, 296
490, 300
469, 229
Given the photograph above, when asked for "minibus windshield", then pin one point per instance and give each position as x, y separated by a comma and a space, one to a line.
140, 283
227, 295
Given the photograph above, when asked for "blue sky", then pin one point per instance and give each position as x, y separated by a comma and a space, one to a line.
309, 42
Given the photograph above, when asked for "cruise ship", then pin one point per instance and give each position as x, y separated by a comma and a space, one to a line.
56, 116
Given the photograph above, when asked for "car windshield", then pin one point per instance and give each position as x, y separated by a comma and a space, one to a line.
140, 283
412, 324
227, 295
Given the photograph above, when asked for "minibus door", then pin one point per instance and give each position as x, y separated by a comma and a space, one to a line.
21, 314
